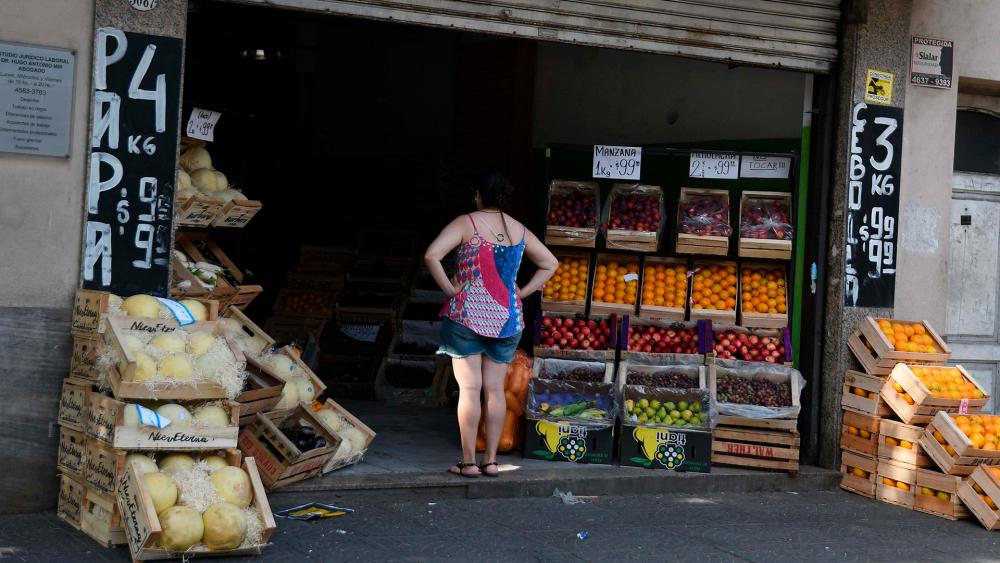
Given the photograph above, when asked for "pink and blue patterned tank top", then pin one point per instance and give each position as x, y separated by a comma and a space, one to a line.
488, 303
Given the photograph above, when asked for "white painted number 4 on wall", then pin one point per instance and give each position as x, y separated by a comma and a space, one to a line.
142, 5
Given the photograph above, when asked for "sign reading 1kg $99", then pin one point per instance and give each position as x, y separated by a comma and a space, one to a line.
617, 163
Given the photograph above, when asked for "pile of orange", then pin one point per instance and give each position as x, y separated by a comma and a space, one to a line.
895, 483
908, 337
569, 283
763, 290
902, 393
890, 441
610, 285
714, 287
983, 430
862, 393
946, 382
855, 431
664, 285
858, 472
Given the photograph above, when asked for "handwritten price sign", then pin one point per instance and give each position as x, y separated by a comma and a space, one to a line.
617, 163
201, 124
714, 165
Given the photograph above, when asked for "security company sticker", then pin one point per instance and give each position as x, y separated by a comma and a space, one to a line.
878, 87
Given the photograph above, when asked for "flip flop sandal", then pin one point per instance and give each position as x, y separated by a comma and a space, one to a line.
482, 469
462, 465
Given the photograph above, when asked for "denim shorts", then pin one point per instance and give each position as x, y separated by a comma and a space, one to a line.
458, 341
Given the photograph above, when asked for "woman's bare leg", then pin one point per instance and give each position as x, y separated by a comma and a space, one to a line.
469, 375
496, 407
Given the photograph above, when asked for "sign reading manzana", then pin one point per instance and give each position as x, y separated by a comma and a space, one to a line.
873, 206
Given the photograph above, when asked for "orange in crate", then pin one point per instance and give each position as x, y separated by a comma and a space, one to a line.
714, 288
664, 285
611, 286
908, 337
764, 290
569, 283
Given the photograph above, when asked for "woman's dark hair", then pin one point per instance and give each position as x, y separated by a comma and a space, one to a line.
495, 191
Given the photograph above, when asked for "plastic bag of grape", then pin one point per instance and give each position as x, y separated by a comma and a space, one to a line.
758, 391
679, 376
686, 409
572, 400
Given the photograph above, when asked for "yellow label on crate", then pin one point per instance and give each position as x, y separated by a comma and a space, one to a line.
568, 441
661, 445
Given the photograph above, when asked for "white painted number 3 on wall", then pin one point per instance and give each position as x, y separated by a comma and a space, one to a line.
142, 5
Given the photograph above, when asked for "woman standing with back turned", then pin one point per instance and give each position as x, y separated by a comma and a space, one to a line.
482, 316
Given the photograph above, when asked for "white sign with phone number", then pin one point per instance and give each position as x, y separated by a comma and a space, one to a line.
715, 165
201, 124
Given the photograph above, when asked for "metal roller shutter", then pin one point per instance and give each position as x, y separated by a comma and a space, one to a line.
793, 34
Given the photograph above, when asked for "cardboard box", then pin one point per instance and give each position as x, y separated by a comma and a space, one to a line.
569, 441
666, 448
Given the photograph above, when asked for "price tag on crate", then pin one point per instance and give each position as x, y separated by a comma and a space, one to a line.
724, 166
617, 163
201, 124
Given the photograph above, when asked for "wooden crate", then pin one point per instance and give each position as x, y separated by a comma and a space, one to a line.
653, 311
200, 247
757, 319
90, 309
349, 376
121, 376
294, 329
898, 473
101, 519
73, 404
107, 424
198, 211
772, 248
370, 270
429, 396
542, 351
862, 350
325, 282
558, 235
302, 303
894, 436
334, 464
785, 424
142, 527
237, 213
922, 406
280, 462
756, 448
83, 359
543, 364
957, 455
604, 307
780, 337
262, 391
856, 382
370, 301
249, 328
572, 305
988, 482
701, 244
187, 285
727, 316
70, 501
951, 507
631, 325
625, 367
862, 485
887, 357
72, 444
638, 241
864, 438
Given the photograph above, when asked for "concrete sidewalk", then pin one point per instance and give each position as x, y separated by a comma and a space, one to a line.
815, 526
415, 446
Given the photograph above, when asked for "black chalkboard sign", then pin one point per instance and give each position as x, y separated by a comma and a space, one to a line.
873, 206
130, 190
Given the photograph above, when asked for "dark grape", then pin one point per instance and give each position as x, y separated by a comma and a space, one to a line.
753, 391
663, 379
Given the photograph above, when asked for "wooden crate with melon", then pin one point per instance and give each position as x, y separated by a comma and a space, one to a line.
979, 492
915, 392
937, 494
355, 435
879, 344
859, 473
959, 443
275, 439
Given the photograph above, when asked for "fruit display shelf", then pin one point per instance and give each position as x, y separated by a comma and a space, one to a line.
766, 225
937, 494
573, 214
900, 443
279, 458
859, 433
896, 483
566, 292
576, 338
714, 291
945, 442
615, 285
664, 291
672, 341
859, 474
907, 394
633, 217
755, 396
763, 296
978, 494
861, 394
703, 222
878, 355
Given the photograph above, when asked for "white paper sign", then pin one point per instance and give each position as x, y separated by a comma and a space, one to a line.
765, 166
717, 165
617, 163
201, 124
